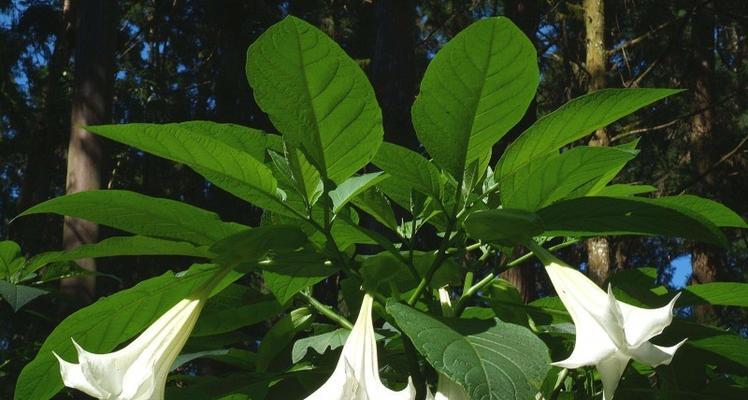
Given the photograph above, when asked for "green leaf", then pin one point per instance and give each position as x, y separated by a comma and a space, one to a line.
253, 244
491, 359
119, 246
19, 295
307, 178
105, 324
235, 307
379, 269
289, 274
251, 141
572, 121
373, 202
352, 187
624, 190
503, 225
10, 258
316, 96
140, 214
195, 145
281, 335
320, 343
234, 386
476, 88
553, 178
593, 216
716, 293
410, 167
714, 212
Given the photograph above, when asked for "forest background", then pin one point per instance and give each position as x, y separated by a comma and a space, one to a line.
68, 63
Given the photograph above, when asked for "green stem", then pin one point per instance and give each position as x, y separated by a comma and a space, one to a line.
327, 311
536, 250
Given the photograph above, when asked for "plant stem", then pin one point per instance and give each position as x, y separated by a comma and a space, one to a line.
327, 311
536, 249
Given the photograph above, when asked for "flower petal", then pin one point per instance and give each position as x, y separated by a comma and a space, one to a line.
580, 295
105, 371
654, 355
611, 369
642, 324
72, 377
341, 385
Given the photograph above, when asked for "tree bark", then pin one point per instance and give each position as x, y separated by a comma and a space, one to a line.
393, 71
92, 104
526, 15
598, 249
705, 259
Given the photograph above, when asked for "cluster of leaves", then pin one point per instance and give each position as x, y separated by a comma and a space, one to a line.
321, 212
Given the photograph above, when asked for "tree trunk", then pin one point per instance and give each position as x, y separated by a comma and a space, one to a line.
705, 259
92, 104
526, 15
598, 249
393, 71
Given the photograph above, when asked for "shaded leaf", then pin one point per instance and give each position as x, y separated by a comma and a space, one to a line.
489, 358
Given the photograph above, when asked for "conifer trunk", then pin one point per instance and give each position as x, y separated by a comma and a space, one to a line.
92, 104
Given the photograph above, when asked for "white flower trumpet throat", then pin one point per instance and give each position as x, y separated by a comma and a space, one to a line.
356, 376
139, 370
608, 332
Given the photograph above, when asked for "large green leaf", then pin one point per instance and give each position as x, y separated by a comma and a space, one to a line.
105, 324
196, 144
503, 225
288, 274
475, 89
317, 97
251, 141
557, 176
592, 216
491, 359
119, 246
253, 245
410, 167
716, 293
716, 213
572, 121
352, 187
140, 214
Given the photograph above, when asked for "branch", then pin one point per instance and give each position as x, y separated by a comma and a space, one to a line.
711, 168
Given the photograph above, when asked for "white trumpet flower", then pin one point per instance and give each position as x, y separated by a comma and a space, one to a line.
356, 376
608, 332
139, 370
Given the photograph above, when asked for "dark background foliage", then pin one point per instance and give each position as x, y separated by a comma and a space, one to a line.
184, 59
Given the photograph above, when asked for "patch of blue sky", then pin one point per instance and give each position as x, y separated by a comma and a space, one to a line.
682, 270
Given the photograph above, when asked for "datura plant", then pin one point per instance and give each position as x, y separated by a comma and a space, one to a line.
413, 241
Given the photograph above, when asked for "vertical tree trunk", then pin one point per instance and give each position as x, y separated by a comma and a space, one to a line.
598, 249
526, 14
705, 259
393, 71
92, 104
